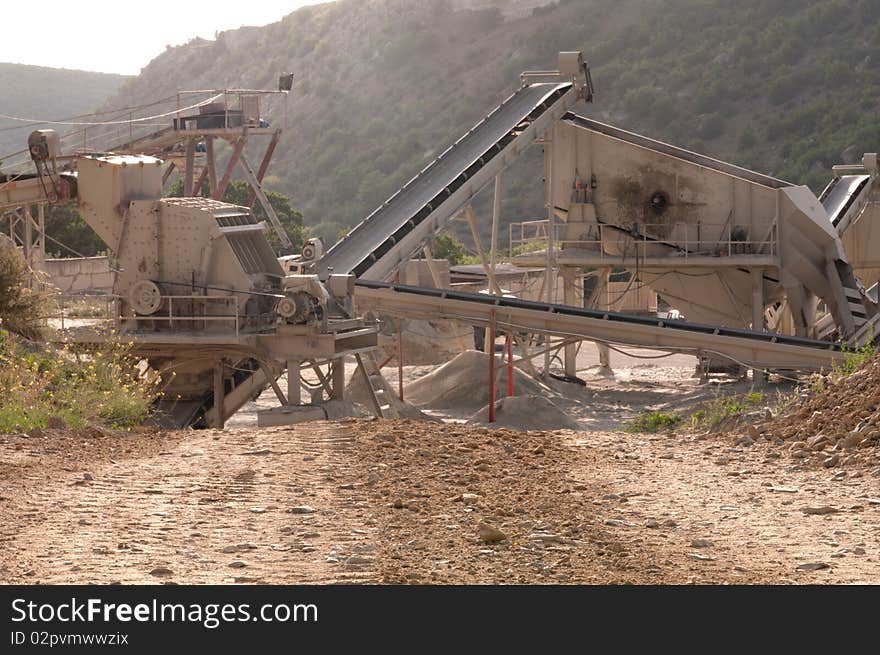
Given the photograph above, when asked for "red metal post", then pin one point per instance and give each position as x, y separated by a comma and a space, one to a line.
197, 189
491, 350
400, 358
264, 166
509, 365
233, 160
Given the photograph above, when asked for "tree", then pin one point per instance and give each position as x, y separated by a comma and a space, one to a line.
65, 226
446, 246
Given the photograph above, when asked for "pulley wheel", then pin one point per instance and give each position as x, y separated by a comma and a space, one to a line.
145, 297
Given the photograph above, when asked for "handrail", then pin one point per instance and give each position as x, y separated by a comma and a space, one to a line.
530, 235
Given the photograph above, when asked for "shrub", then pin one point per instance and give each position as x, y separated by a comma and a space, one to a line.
21, 309
653, 422
80, 387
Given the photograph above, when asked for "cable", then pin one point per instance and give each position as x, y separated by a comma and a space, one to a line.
78, 254
125, 122
95, 113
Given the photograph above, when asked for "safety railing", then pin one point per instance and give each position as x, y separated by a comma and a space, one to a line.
681, 240
183, 310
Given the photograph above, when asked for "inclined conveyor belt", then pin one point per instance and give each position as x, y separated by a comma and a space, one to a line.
427, 194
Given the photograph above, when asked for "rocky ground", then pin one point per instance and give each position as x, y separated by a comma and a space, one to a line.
415, 502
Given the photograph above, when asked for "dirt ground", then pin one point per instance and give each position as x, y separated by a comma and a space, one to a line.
366, 501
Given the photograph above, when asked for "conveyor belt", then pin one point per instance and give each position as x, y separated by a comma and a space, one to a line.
434, 195
757, 349
843, 195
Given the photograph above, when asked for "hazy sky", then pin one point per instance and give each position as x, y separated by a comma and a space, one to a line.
120, 36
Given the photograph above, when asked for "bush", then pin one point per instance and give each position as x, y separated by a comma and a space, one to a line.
653, 422
721, 409
80, 387
21, 309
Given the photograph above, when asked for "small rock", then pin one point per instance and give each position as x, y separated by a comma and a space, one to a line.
88, 477
813, 566
783, 490
469, 499
831, 462
490, 534
301, 509
258, 510
700, 556
823, 509
701, 543
398, 504
358, 560
651, 523
754, 432
852, 440
238, 564
162, 572
546, 537
858, 551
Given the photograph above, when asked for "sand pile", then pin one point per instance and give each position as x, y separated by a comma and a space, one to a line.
356, 391
526, 413
839, 423
463, 383
426, 342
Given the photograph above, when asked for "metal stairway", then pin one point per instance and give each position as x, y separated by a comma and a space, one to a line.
380, 393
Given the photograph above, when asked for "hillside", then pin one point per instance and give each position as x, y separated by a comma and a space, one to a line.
788, 87
47, 93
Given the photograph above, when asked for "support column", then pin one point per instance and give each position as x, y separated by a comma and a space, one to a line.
570, 296
337, 379
219, 395
508, 343
757, 274
491, 351
41, 227
599, 300
400, 358
211, 164
28, 240
188, 176
294, 387
429, 260
496, 214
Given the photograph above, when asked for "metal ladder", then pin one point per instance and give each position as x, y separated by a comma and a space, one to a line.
380, 392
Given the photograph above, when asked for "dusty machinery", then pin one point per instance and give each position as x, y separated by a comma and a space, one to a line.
200, 292
741, 254
757, 264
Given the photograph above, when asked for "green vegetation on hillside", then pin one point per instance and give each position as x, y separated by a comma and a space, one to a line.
787, 87
40, 93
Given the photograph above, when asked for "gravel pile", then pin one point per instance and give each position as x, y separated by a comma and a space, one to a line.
837, 424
